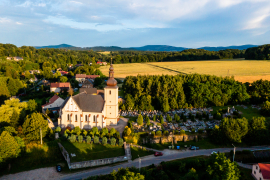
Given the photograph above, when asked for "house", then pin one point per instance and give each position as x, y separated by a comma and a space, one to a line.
87, 84
261, 171
90, 109
53, 105
34, 71
58, 87
81, 77
63, 73
16, 58
102, 63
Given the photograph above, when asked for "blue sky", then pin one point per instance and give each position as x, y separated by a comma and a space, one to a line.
132, 23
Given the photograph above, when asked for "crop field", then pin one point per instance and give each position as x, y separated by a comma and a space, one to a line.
105, 52
242, 70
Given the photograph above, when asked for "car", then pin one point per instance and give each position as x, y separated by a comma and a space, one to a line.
194, 148
214, 152
158, 154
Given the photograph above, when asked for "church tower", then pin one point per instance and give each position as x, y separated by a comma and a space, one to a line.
111, 99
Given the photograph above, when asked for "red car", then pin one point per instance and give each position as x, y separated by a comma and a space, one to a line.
158, 154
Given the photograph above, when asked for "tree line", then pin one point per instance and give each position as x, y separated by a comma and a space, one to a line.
167, 92
258, 53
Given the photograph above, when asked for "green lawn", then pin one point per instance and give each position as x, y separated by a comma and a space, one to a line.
247, 113
84, 153
137, 151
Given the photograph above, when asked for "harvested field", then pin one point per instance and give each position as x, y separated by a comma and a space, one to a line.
242, 70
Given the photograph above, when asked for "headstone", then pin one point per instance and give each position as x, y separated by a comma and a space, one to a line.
56, 135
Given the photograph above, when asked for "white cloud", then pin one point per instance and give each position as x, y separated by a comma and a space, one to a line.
4, 20
76, 2
18, 23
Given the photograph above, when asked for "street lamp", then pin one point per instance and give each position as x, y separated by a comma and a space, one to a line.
233, 152
139, 163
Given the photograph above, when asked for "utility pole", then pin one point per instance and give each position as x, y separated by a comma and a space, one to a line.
233, 152
139, 163
40, 135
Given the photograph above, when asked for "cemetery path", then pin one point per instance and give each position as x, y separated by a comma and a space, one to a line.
152, 160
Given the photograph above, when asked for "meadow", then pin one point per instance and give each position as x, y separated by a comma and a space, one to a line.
242, 70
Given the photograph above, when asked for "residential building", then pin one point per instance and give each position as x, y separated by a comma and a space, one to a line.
81, 77
53, 105
261, 171
88, 83
58, 87
91, 107
102, 63
16, 58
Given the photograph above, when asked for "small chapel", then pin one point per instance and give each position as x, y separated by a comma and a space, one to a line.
90, 108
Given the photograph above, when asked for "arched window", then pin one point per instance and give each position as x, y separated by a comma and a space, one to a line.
110, 92
68, 118
94, 118
76, 118
85, 118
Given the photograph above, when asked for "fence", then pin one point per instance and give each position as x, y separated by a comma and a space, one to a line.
97, 162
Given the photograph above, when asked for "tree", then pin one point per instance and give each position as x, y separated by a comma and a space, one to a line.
154, 118
80, 138
113, 141
14, 119
70, 92
96, 140
161, 119
221, 168
72, 138
266, 108
140, 120
158, 133
112, 131
125, 174
88, 139
58, 129
104, 140
63, 79
147, 120
31, 106
84, 132
9, 129
76, 130
94, 130
234, 129
121, 142
9, 148
128, 131
32, 126
191, 175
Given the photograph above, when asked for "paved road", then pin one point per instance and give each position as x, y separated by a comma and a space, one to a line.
151, 160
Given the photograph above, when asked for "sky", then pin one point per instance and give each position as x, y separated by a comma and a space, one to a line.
134, 23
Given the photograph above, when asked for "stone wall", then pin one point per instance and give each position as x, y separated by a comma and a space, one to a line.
65, 154
141, 147
170, 138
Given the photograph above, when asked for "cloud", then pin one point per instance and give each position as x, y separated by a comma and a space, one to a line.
4, 20
18, 23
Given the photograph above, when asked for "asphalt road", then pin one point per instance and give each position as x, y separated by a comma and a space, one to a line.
151, 160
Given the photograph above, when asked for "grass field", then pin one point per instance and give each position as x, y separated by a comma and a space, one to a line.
84, 153
242, 70
137, 151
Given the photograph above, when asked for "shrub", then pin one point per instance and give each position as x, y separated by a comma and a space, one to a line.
147, 120
135, 140
65, 135
72, 138
84, 132
94, 130
112, 131
166, 133
161, 120
158, 133
76, 130
121, 142
182, 132
113, 141
96, 140
140, 120
88, 139
116, 135
58, 129
80, 138
153, 133
104, 140
154, 118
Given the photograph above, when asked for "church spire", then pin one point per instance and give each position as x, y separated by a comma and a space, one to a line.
111, 81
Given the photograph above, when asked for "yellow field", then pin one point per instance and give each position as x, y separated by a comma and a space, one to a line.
242, 70
105, 52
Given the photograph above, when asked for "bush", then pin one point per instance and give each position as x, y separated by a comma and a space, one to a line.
113, 141
153, 133
84, 132
112, 131
158, 133
140, 120
166, 133
76, 130
72, 138
104, 140
58, 129
116, 135
96, 140
154, 118
80, 138
182, 132
88, 139
65, 135
121, 142
161, 120
135, 140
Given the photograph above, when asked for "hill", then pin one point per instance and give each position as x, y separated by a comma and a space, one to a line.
143, 48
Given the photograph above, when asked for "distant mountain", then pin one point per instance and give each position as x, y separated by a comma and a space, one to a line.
143, 48
159, 48
55, 46
228, 47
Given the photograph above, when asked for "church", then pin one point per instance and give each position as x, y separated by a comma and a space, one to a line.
90, 108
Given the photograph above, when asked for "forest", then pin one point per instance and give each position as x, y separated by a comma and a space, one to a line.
258, 53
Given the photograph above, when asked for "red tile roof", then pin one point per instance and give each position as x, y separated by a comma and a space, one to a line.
265, 170
80, 75
54, 98
67, 84
63, 72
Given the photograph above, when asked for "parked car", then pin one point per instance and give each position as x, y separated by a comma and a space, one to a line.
158, 154
214, 152
194, 148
